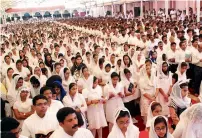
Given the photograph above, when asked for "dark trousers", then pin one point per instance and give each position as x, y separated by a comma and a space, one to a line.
190, 75
198, 78
173, 68
133, 107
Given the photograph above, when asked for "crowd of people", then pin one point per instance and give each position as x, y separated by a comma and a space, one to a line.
73, 77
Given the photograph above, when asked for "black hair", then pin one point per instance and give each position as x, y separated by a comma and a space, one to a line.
43, 89
7, 135
6, 56
148, 60
71, 85
84, 67
161, 119
65, 69
123, 114
18, 61
63, 113
126, 71
108, 65
9, 69
34, 80
101, 61
183, 85
154, 105
80, 119
173, 43
9, 123
87, 53
175, 76
94, 79
56, 64
38, 97
114, 74
183, 64
78, 56
44, 70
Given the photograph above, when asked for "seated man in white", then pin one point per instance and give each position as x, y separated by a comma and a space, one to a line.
68, 121
54, 105
41, 123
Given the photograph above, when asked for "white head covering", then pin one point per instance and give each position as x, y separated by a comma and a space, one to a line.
12, 92
177, 97
192, 116
152, 132
24, 105
160, 71
183, 76
132, 130
149, 115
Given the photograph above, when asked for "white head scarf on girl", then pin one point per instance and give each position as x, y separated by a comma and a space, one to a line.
25, 106
65, 82
132, 130
181, 76
149, 115
12, 92
193, 119
177, 97
160, 71
152, 132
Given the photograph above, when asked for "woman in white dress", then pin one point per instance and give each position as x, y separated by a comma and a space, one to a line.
75, 100
123, 125
154, 109
67, 78
164, 84
42, 78
35, 85
159, 128
105, 76
85, 80
23, 106
113, 92
179, 100
95, 112
181, 71
7, 81
190, 122
16, 83
148, 90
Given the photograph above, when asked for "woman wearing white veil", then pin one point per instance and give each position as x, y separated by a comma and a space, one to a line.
148, 89
106, 72
67, 78
159, 128
38, 73
164, 84
35, 85
181, 71
8, 79
16, 83
123, 125
23, 105
190, 122
113, 92
179, 100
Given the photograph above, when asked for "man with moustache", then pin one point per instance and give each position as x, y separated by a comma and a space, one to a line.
68, 121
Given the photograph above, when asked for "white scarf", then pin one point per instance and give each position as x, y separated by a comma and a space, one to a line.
132, 130
177, 97
152, 132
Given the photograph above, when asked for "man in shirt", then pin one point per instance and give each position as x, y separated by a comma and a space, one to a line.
19, 69
54, 105
68, 121
41, 122
171, 56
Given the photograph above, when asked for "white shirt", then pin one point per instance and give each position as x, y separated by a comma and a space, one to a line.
55, 106
36, 125
171, 54
60, 133
24, 73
